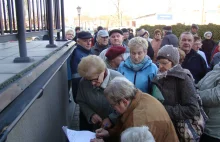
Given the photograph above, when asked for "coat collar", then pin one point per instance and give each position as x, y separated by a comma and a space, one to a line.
83, 49
132, 106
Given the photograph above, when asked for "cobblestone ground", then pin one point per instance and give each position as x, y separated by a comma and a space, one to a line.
75, 120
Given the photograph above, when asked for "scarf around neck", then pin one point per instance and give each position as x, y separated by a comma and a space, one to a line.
139, 66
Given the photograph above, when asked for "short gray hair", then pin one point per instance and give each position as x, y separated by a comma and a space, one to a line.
137, 134
120, 88
138, 42
186, 33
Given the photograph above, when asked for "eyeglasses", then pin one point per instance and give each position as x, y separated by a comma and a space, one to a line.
197, 44
94, 80
116, 103
163, 63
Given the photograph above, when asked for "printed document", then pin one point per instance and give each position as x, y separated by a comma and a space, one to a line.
78, 136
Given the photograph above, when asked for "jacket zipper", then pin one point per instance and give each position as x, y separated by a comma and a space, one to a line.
135, 78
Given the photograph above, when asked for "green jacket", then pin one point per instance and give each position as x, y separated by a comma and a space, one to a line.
209, 90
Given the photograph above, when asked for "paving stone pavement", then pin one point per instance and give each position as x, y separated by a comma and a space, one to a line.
75, 119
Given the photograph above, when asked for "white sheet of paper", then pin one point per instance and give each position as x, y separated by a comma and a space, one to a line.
78, 136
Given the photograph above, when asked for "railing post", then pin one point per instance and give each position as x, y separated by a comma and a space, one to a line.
63, 21
57, 9
50, 23
21, 33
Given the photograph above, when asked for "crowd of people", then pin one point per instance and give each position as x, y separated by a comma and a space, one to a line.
137, 89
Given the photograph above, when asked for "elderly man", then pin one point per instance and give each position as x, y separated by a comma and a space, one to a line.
90, 95
114, 57
82, 49
197, 45
194, 29
136, 109
116, 39
169, 38
102, 42
193, 61
95, 34
125, 36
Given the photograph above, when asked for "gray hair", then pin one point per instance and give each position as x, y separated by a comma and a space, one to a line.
208, 32
120, 88
186, 33
138, 42
137, 134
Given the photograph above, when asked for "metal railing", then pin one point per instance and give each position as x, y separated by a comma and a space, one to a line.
21, 19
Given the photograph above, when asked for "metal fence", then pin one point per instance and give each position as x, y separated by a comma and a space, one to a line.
21, 19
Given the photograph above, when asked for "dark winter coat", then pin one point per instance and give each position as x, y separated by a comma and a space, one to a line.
150, 51
179, 94
78, 53
195, 64
170, 39
207, 48
97, 49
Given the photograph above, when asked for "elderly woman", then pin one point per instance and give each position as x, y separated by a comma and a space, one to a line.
209, 91
135, 108
138, 68
137, 134
176, 86
90, 95
156, 42
208, 45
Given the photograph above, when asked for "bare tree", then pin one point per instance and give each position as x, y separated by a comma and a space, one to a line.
119, 12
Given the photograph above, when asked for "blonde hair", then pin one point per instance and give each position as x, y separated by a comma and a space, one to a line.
90, 66
69, 32
182, 55
138, 42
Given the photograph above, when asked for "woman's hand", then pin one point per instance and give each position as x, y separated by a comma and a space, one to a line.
100, 133
96, 119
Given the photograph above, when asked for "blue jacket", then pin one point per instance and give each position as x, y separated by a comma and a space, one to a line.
142, 78
78, 53
76, 57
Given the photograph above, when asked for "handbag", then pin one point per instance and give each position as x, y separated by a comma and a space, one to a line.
190, 130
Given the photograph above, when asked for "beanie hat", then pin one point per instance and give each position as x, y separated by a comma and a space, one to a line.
114, 51
169, 52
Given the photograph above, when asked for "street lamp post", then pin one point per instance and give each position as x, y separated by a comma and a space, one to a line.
79, 11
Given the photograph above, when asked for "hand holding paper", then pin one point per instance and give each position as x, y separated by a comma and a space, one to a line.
100, 133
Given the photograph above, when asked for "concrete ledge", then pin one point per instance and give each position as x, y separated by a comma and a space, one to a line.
14, 86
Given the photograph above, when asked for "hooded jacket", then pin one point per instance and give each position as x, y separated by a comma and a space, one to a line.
142, 78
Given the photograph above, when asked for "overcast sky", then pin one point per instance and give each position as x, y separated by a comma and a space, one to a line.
134, 8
